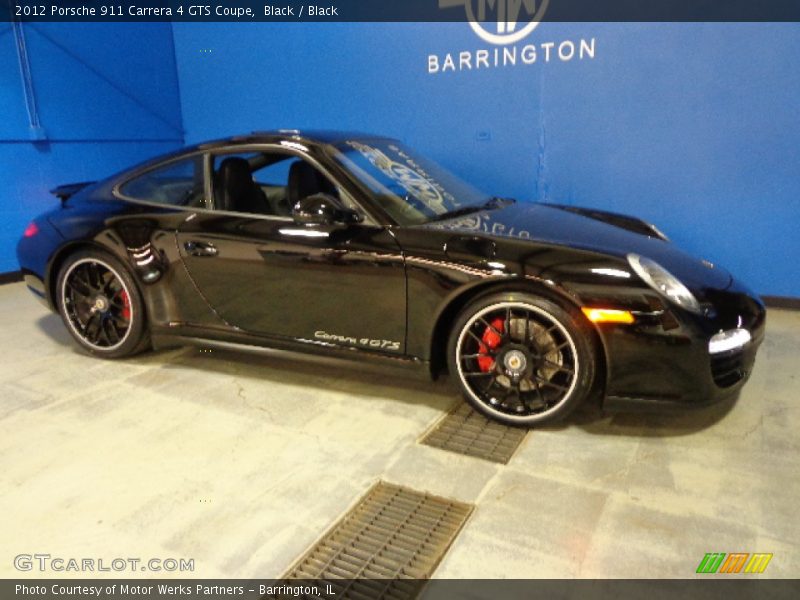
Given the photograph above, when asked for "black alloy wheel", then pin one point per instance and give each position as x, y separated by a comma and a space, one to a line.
101, 305
521, 359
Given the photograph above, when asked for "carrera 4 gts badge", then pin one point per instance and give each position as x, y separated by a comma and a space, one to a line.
353, 341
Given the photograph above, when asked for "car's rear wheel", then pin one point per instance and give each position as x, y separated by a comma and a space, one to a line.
101, 305
521, 359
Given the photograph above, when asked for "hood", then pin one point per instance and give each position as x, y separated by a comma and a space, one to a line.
552, 225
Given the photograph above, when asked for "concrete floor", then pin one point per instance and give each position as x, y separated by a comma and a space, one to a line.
242, 462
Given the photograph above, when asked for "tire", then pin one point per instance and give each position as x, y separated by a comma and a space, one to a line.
521, 359
101, 305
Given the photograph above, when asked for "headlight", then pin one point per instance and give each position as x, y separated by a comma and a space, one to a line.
728, 340
664, 282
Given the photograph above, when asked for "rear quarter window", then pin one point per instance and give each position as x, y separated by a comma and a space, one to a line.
180, 183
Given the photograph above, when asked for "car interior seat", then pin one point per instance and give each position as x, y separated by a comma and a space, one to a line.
235, 190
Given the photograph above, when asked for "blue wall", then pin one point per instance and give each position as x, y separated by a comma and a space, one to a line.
107, 97
693, 126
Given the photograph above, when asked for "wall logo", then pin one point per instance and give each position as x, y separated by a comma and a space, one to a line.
504, 23
514, 20
736, 562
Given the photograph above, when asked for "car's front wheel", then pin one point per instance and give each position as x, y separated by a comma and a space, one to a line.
521, 359
101, 305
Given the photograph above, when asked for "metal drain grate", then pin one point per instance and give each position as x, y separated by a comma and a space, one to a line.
386, 546
466, 432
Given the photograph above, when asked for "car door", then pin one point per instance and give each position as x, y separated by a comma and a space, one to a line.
266, 275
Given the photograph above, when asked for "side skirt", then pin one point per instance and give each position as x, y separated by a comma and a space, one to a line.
325, 354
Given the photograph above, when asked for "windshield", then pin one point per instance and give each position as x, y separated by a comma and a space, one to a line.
411, 188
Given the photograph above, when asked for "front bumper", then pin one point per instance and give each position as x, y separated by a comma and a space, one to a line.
665, 360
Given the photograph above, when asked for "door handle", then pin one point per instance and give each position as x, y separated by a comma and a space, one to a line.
201, 248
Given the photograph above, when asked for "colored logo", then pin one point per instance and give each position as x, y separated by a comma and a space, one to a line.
501, 22
735, 562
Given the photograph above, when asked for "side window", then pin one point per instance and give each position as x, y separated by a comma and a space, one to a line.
265, 183
276, 172
180, 183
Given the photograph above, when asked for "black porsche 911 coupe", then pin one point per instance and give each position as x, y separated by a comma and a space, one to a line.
354, 245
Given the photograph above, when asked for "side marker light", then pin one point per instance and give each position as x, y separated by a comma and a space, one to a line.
608, 315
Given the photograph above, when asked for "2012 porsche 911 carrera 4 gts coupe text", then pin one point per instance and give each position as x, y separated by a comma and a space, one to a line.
356, 246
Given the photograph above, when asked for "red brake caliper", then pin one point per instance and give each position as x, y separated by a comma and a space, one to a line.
491, 339
126, 305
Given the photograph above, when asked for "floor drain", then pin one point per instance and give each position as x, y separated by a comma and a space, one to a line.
386, 546
466, 432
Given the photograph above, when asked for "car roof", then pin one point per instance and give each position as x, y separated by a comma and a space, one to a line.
319, 137
306, 137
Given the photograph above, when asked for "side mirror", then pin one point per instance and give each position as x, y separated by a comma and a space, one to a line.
323, 209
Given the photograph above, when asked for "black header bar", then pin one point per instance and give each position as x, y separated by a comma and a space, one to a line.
487, 12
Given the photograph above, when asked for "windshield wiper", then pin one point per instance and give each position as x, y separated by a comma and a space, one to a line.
498, 202
490, 204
